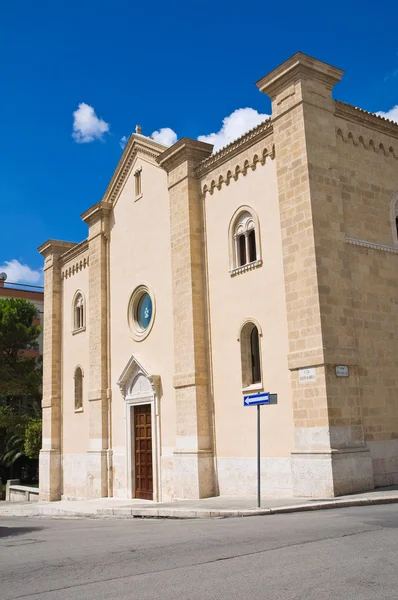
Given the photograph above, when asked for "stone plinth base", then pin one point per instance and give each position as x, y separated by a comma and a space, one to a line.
193, 475
325, 474
97, 474
50, 475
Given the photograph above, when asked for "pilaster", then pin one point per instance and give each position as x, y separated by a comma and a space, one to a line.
99, 452
193, 460
50, 471
330, 456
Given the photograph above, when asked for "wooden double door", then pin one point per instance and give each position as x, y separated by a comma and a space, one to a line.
143, 452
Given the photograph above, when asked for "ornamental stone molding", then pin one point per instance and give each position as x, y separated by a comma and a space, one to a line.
236, 147
372, 245
365, 118
75, 268
130, 373
370, 144
76, 250
242, 168
137, 145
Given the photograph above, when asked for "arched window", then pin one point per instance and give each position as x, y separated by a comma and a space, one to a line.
244, 241
78, 312
78, 388
250, 354
394, 219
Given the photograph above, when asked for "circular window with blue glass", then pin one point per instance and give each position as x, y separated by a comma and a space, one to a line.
141, 312
144, 311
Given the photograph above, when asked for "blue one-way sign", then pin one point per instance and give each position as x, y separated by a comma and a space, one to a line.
256, 399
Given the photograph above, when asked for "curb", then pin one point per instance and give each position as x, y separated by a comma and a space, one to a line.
154, 513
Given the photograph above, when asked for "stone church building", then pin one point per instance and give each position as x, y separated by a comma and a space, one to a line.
270, 265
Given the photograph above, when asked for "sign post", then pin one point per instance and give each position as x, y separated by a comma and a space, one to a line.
258, 400
258, 459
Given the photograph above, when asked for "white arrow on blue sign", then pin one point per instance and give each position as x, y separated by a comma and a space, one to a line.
256, 399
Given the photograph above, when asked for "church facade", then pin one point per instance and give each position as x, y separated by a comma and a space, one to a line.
268, 266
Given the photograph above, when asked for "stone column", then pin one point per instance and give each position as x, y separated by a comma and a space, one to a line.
50, 470
330, 456
99, 453
193, 460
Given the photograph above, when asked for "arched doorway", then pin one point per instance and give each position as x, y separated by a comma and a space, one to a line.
140, 398
142, 431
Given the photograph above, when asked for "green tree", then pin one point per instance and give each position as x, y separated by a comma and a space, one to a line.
32, 443
20, 375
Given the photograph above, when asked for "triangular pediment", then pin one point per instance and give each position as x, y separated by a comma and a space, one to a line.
137, 146
134, 370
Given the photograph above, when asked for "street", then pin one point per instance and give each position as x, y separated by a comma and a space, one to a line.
336, 554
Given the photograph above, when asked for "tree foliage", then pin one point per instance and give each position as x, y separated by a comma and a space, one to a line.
20, 375
32, 444
21, 432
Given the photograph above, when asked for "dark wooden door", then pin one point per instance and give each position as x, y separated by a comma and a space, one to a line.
143, 452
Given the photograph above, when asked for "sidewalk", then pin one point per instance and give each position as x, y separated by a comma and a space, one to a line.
221, 506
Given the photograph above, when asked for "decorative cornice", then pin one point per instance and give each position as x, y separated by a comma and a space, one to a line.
378, 149
96, 212
75, 268
137, 144
299, 66
365, 118
372, 245
242, 143
73, 252
258, 157
184, 150
55, 247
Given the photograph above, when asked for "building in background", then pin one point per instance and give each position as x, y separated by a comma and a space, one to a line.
31, 293
270, 265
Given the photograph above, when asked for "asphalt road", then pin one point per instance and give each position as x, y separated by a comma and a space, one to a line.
337, 554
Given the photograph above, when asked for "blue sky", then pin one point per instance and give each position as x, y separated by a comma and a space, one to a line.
185, 66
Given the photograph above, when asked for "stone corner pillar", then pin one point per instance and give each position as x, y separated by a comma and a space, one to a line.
99, 454
330, 456
193, 456
50, 468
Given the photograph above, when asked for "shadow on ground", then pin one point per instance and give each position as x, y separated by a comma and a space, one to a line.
6, 532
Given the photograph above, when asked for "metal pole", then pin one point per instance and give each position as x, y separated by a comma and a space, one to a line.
258, 459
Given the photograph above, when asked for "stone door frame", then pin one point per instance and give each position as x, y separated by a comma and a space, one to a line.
148, 395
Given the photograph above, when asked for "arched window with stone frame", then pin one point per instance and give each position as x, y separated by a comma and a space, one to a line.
250, 352
244, 240
394, 218
79, 316
78, 381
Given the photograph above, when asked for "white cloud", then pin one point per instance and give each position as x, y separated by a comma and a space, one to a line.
87, 127
233, 126
19, 273
165, 136
123, 142
391, 114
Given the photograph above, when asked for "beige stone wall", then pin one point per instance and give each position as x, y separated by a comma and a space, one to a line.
140, 253
258, 294
75, 432
330, 457
369, 175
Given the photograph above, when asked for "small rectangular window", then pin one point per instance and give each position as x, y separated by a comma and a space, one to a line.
396, 225
137, 178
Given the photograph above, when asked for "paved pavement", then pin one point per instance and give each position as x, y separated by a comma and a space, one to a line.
349, 554
220, 506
